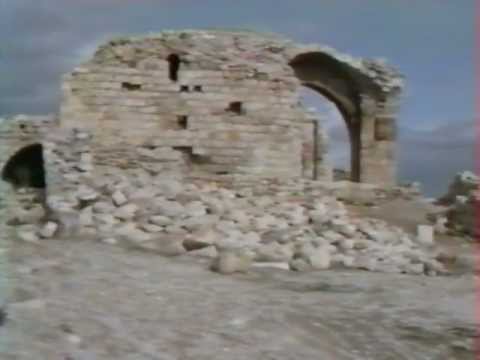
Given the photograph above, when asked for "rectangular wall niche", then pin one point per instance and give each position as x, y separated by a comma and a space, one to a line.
385, 129
182, 121
236, 107
130, 86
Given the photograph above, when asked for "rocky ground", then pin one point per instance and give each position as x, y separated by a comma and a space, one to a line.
84, 299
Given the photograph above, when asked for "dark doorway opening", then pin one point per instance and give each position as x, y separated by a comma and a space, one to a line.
26, 168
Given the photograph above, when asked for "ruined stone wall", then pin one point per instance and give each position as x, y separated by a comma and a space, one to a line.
231, 111
16, 134
223, 104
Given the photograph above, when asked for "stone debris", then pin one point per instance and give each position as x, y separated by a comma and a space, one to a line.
303, 232
231, 261
457, 209
48, 230
425, 235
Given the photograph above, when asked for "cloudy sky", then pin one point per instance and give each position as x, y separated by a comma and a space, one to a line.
430, 41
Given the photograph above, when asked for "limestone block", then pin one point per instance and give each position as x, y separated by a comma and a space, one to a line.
151, 228
49, 230
274, 252
27, 236
319, 258
119, 198
206, 252
229, 262
160, 220
425, 235
126, 212
169, 208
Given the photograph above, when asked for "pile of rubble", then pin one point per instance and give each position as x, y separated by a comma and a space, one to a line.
237, 229
457, 212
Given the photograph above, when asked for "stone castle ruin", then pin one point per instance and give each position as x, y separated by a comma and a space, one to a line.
178, 140
221, 106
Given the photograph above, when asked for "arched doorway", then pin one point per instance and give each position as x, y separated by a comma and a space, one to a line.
26, 169
332, 124
327, 77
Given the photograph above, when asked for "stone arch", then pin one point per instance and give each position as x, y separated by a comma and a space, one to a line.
330, 78
26, 168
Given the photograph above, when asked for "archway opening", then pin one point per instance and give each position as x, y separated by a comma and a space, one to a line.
331, 131
26, 168
333, 80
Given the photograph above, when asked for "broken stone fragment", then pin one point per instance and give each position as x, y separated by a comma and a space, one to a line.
299, 264
119, 198
274, 252
169, 208
425, 235
85, 217
165, 245
318, 258
110, 241
102, 207
87, 194
231, 261
272, 265
126, 212
151, 228
207, 252
49, 230
191, 244
28, 236
68, 222
160, 220
132, 234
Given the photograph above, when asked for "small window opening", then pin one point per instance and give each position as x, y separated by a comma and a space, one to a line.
131, 87
198, 88
184, 88
182, 121
222, 173
23, 126
174, 66
236, 107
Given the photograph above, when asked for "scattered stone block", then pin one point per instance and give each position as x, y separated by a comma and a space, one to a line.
229, 262
49, 230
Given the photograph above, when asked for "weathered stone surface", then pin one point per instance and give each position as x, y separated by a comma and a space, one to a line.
27, 236
229, 262
119, 198
49, 230
459, 205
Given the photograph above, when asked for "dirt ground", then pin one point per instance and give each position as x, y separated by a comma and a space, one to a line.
82, 300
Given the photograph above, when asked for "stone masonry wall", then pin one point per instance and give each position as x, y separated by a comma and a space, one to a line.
217, 119
21, 131
215, 104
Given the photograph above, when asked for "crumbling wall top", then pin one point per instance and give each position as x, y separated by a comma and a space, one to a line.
247, 48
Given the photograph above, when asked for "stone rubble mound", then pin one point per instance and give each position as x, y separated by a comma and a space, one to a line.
237, 229
458, 205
